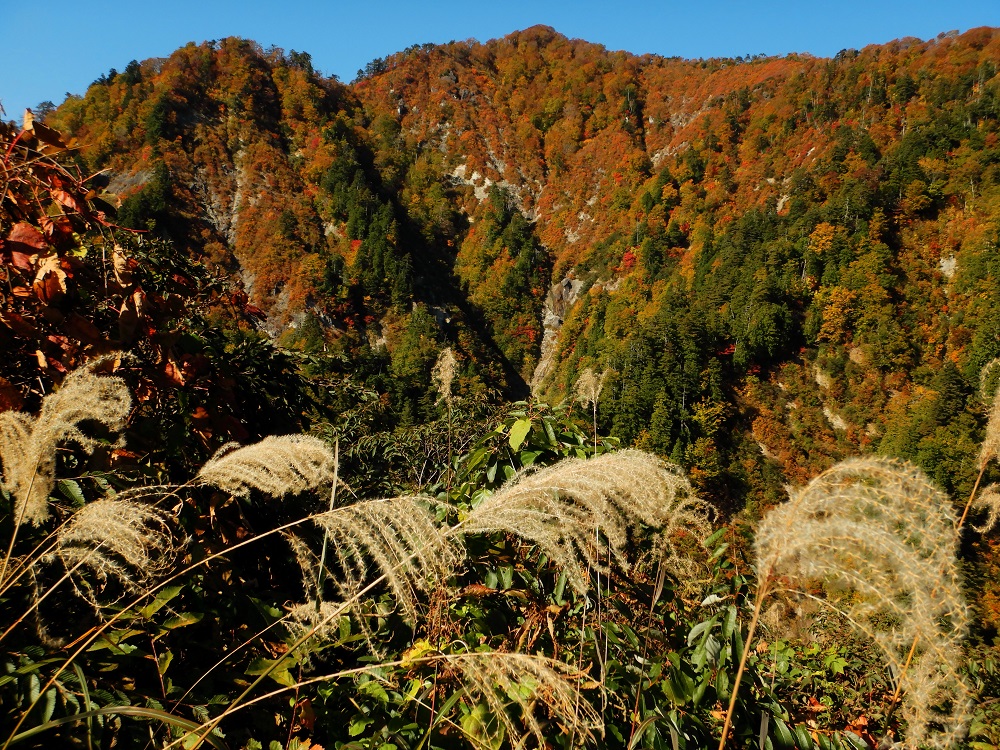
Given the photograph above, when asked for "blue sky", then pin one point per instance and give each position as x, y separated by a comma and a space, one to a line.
47, 53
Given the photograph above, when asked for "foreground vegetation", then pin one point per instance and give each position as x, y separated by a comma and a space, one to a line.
525, 582
489, 612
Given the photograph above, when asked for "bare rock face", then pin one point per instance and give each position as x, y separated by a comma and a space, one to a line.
561, 297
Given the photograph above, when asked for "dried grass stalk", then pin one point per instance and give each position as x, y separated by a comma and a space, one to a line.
28, 444
277, 466
527, 682
559, 507
883, 540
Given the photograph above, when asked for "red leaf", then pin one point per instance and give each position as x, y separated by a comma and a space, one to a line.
10, 397
25, 241
57, 228
68, 200
26, 234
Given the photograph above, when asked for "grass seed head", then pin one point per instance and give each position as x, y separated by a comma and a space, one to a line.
990, 448
562, 507
444, 373
588, 387
397, 538
883, 541
988, 500
277, 466
527, 682
129, 542
28, 444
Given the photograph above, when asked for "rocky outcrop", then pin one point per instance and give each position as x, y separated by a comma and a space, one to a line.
561, 297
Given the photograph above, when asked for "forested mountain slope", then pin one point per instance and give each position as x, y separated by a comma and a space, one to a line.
781, 261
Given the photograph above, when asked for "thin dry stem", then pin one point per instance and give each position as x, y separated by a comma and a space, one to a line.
758, 604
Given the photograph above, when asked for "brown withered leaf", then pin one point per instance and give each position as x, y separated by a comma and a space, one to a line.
174, 372
50, 281
477, 590
68, 200
122, 266
50, 140
18, 324
129, 316
304, 717
79, 327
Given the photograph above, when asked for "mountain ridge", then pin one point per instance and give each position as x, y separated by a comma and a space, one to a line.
731, 227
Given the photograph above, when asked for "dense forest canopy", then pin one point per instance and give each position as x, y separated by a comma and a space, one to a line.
761, 266
781, 260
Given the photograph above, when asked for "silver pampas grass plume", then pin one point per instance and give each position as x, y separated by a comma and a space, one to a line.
395, 542
883, 541
588, 387
561, 507
990, 448
28, 444
443, 374
277, 466
127, 542
525, 682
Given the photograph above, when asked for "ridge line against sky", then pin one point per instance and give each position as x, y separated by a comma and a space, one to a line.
47, 56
